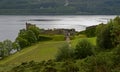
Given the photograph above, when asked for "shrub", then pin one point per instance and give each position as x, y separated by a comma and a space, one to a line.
90, 31
58, 37
117, 55
31, 36
115, 31
100, 63
104, 38
44, 38
108, 36
22, 42
35, 30
83, 49
70, 66
64, 53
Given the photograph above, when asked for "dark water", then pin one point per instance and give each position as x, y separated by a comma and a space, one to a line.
11, 24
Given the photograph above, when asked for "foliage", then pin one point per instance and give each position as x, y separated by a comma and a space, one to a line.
90, 31
1, 49
29, 36
58, 37
115, 31
104, 37
64, 53
103, 62
83, 49
117, 55
108, 36
70, 66
22, 42
31, 7
35, 30
43, 66
16, 46
46, 66
44, 38
6, 48
52, 37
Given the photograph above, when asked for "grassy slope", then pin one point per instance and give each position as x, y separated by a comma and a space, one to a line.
38, 52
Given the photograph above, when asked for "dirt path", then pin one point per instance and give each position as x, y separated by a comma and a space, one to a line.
68, 40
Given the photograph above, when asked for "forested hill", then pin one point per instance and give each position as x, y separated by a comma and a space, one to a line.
59, 6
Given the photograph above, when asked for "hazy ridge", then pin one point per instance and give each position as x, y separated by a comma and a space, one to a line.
59, 7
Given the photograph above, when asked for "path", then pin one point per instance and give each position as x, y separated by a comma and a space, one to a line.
68, 40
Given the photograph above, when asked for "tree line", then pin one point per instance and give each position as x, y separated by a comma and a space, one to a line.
58, 7
26, 37
8, 47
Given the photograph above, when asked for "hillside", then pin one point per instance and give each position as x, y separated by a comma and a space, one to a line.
38, 52
59, 7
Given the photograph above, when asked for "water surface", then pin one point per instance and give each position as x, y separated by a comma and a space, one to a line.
11, 24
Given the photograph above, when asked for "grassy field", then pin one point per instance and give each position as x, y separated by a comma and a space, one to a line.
92, 40
38, 52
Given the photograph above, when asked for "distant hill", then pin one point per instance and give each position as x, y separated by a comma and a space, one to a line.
59, 6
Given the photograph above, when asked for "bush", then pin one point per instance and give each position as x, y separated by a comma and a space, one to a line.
108, 36
22, 42
117, 55
115, 31
83, 49
100, 63
90, 31
58, 37
64, 53
104, 37
70, 66
44, 38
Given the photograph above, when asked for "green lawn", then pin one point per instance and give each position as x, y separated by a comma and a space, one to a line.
92, 40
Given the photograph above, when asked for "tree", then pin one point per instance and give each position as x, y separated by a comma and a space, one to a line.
22, 42
35, 30
115, 31
1, 49
83, 49
28, 36
16, 46
7, 47
31, 36
108, 36
104, 37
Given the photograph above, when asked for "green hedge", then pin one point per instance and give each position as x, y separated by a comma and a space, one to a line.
44, 38
52, 37
58, 38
